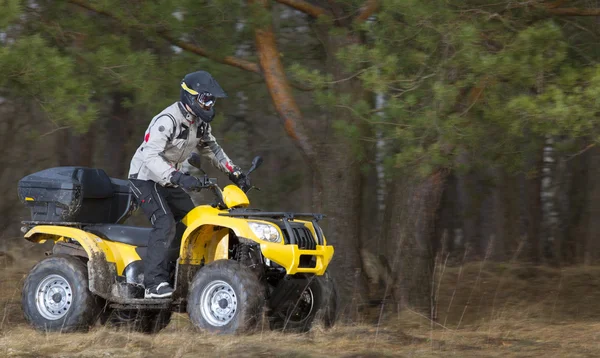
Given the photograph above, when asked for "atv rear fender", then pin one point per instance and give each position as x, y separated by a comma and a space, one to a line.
105, 259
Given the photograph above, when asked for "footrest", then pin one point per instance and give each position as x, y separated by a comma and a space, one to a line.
140, 303
121, 306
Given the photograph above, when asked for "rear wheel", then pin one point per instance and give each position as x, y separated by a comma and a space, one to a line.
316, 303
226, 297
56, 297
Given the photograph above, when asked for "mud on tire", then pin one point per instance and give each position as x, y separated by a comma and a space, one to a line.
226, 297
56, 297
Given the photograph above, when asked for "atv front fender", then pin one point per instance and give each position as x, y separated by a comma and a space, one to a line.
206, 238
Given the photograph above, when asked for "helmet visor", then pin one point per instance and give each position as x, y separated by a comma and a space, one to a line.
206, 100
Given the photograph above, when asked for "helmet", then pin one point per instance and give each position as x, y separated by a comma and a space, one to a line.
199, 90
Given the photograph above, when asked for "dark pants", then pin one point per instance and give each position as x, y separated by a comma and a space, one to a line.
164, 207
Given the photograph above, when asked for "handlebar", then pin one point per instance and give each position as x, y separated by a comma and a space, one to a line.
211, 183
206, 183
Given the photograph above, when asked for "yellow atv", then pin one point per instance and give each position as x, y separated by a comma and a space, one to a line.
230, 263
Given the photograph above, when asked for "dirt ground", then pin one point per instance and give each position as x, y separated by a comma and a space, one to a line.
484, 310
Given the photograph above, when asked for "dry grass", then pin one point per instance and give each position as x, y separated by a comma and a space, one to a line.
490, 310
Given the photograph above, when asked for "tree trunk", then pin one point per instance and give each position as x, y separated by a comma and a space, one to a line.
411, 219
74, 149
533, 186
119, 129
581, 190
341, 196
593, 209
499, 216
336, 170
62, 148
513, 237
449, 221
570, 205
341, 202
380, 182
279, 88
467, 190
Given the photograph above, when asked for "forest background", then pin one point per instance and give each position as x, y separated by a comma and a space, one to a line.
432, 134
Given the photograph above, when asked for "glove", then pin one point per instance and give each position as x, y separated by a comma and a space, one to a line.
186, 181
239, 178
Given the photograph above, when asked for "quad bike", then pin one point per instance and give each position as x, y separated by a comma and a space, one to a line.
231, 265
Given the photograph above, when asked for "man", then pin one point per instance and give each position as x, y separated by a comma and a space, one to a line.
155, 176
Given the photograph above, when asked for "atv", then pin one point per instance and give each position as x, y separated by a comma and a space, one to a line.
232, 266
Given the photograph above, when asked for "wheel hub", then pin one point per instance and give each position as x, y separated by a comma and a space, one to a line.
218, 303
53, 297
223, 303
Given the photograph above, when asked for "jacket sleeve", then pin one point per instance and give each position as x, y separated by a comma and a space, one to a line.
156, 138
210, 149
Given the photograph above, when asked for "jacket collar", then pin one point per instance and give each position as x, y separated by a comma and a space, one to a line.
187, 115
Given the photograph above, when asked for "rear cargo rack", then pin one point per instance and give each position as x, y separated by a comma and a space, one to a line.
285, 217
29, 224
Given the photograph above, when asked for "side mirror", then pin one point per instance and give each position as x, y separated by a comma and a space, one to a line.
196, 161
256, 162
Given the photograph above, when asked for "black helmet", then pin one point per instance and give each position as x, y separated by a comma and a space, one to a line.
199, 90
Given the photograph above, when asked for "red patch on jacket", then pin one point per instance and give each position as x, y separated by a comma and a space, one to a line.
229, 167
147, 137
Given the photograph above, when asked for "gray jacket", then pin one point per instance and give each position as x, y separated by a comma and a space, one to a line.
169, 140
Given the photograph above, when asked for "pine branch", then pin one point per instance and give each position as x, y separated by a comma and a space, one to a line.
305, 7
573, 11
228, 60
368, 9
280, 91
555, 4
91, 7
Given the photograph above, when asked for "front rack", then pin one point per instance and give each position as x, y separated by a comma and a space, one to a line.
285, 217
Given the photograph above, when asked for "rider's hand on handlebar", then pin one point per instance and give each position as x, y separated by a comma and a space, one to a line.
240, 179
186, 181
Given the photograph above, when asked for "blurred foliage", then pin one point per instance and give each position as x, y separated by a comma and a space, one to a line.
11, 10
35, 72
469, 85
456, 76
468, 77
71, 61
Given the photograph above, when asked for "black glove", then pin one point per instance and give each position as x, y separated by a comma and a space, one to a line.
239, 178
186, 181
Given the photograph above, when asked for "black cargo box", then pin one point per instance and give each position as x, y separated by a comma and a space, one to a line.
75, 194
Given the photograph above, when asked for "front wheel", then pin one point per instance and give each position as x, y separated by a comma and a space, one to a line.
317, 302
225, 297
56, 297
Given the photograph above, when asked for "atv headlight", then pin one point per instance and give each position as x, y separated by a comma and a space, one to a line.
265, 232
